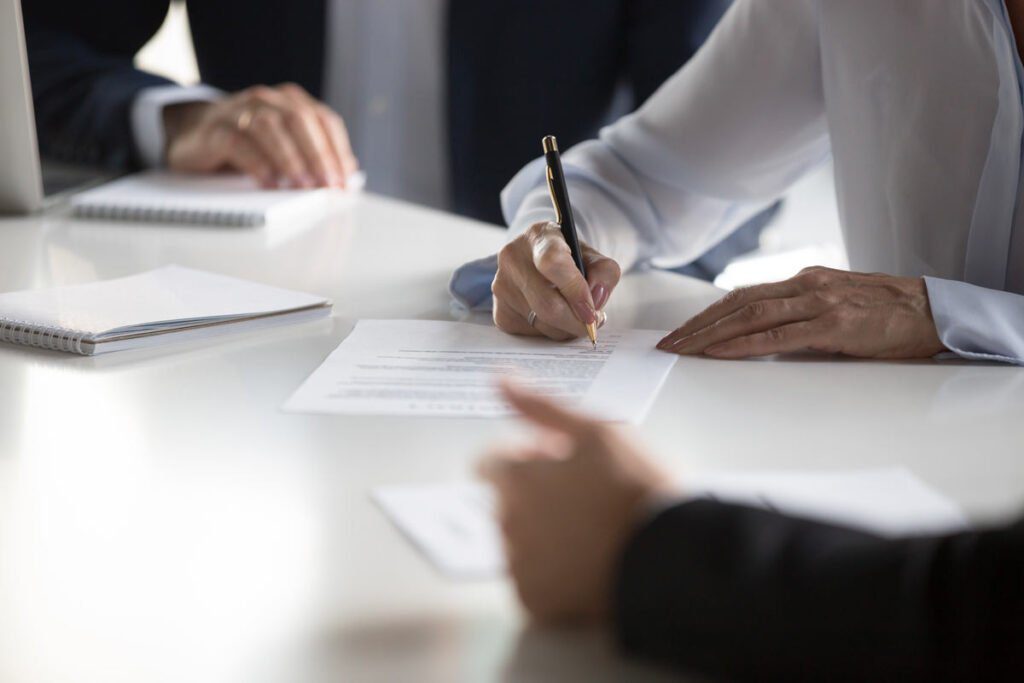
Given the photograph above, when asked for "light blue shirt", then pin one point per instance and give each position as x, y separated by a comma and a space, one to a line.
918, 104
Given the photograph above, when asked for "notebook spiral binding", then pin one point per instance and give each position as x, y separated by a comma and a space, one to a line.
42, 336
169, 214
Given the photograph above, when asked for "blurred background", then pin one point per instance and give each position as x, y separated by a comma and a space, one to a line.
806, 232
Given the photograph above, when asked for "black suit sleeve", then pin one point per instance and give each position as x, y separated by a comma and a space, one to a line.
741, 593
83, 79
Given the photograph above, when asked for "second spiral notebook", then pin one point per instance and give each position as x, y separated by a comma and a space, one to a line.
223, 200
157, 307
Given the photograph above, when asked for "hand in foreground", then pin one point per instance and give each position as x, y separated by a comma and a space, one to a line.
279, 136
536, 274
567, 505
825, 310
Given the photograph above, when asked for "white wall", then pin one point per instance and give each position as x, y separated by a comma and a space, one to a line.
170, 53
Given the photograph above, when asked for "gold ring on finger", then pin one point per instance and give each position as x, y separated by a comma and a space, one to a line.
244, 120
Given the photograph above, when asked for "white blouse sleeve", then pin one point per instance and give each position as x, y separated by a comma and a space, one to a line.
722, 139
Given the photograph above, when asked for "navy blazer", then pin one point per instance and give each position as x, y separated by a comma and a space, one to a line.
518, 69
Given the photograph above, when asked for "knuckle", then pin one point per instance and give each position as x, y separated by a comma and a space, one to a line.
502, 318
260, 93
815, 279
753, 311
734, 297
548, 258
776, 334
536, 229
507, 257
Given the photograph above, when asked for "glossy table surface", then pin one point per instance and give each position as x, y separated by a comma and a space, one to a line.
162, 520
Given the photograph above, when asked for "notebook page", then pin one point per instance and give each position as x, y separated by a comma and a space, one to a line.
171, 293
160, 189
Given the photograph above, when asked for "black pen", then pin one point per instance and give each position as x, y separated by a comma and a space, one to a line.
563, 212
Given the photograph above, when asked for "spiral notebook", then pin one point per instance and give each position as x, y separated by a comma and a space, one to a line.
223, 200
159, 306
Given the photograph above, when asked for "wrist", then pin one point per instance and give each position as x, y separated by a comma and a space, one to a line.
181, 117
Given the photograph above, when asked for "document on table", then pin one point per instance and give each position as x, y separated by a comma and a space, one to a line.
454, 525
448, 369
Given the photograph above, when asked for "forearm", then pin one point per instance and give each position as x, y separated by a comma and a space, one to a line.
744, 593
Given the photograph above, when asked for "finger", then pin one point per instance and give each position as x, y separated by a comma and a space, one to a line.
508, 320
310, 108
757, 316
553, 311
268, 131
500, 461
542, 411
603, 276
311, 140
730, 303
246, 156
512, 313
553, 260
812, 335
337, 135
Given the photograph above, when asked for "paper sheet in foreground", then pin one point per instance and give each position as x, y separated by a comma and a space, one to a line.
448, 369
453, 525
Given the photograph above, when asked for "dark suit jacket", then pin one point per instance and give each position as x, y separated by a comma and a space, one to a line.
739, 593
519, 69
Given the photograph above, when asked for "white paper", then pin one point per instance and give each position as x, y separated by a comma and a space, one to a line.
453, 525
448, 369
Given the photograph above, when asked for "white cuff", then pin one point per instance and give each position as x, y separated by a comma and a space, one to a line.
148, 111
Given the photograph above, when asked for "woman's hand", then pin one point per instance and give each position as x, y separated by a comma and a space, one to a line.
825, 310
536, 274
567, 506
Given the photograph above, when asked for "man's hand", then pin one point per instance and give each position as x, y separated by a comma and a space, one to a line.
279, 136
536, 274
824, 310
567, 505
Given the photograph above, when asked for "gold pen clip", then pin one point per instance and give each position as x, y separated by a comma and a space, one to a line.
554, 200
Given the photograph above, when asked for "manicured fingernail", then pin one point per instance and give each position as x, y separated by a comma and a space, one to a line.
683, 344
585, 312
602, 318
600, 294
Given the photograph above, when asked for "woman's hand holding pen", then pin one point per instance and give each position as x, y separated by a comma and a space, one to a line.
537, 282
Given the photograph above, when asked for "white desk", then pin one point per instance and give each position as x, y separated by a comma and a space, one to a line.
162, 520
